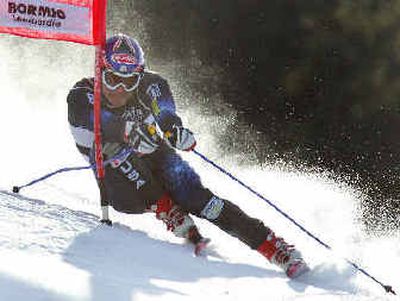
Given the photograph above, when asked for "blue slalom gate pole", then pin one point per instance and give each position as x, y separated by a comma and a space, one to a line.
387, 288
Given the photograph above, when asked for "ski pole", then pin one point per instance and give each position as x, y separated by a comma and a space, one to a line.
104, 208
16, 189
387, 288
125, 152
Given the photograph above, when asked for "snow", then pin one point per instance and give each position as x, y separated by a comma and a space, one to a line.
52, 246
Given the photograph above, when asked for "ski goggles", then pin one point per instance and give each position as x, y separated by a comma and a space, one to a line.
113, 80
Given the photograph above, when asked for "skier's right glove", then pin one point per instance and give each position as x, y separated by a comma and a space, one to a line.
181, 138
143, 138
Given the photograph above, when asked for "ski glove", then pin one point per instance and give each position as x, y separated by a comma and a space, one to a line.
181, 138
143, 138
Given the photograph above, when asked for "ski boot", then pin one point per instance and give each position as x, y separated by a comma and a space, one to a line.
280, 253
179, 223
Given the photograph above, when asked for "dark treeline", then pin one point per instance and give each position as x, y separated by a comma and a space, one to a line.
317, 81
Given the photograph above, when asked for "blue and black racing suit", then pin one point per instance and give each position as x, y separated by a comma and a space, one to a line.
133, 183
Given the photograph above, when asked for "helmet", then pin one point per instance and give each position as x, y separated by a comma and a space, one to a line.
123, 55
123, 61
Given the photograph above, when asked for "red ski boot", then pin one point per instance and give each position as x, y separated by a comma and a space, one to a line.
278, 252
180, 223
174, 217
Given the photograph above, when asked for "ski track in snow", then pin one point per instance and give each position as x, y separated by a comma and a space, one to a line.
52, 246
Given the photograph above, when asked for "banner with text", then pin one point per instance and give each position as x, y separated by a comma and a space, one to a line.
80, 21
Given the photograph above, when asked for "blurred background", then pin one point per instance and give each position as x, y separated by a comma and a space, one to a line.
311, 84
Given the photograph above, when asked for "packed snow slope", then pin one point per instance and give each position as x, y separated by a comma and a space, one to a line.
52, 246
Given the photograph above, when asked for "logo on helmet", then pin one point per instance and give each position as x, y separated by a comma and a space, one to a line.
123, 58
123, 55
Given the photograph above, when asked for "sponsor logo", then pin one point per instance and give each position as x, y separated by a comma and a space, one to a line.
133, 114
154, 91
213, 208
36, 11
37, 15
123, 58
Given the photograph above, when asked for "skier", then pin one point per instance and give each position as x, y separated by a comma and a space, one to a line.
141, 133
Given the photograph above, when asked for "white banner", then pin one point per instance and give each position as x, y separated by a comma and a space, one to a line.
45, 15
71, 20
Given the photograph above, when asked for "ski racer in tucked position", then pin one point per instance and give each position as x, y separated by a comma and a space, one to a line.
141, 133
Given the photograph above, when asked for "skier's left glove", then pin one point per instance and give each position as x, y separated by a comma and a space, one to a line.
181, 138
